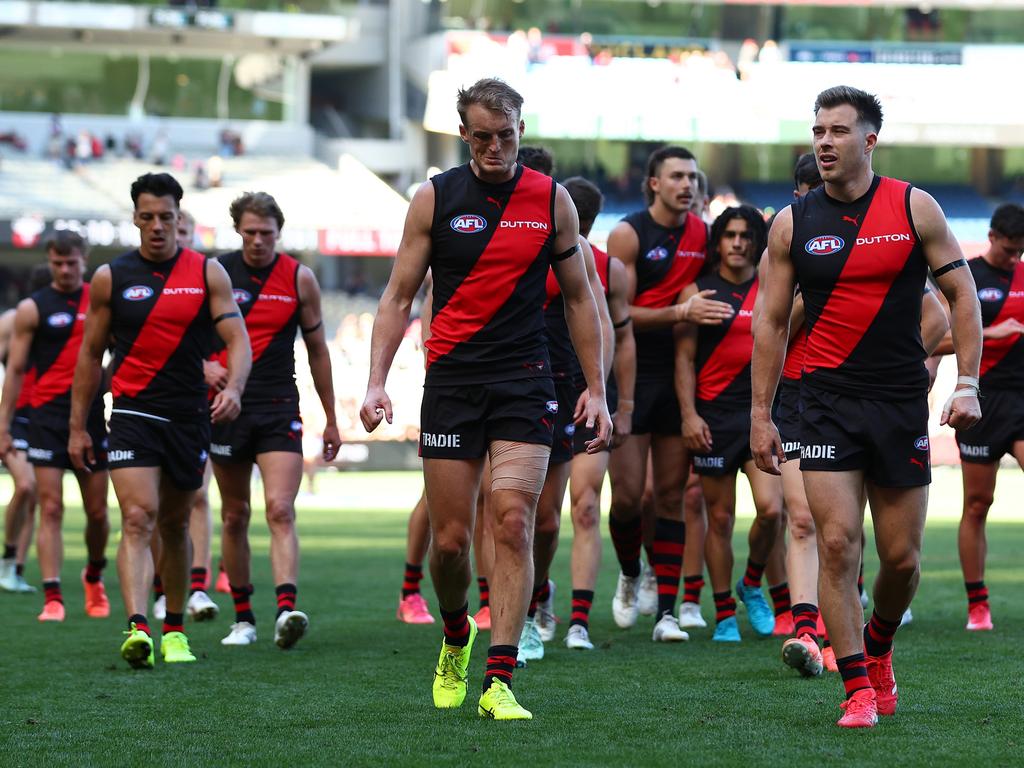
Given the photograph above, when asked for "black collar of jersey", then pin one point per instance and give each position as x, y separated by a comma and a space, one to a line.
501, 185
840, 203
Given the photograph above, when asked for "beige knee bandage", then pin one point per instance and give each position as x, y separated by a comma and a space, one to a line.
518, 467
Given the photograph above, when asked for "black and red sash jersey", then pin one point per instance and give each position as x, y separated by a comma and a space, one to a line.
490, 254
27, 384
54, 350
860, 267
1001, 295
162, 329
723, 355
668, 260
269, 300
793, 367
564, 362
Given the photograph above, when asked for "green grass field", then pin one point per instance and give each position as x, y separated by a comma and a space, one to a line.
356, 690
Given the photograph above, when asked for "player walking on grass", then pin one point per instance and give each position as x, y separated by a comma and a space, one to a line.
277, 297
859, 247
48, 332
160, 304
999, 277
488, 231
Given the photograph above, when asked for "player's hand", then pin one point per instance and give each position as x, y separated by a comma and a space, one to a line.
579, 413
376, 406
600, 421
766, 446
6, 442
227, 404
962, 411
701, 310
697, 435
1009, 327
332, 442
622, 427
215, 374
80, 450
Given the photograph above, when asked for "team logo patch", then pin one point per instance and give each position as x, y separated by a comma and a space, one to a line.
203, 456
990, 294
824, 245
656, 254
469, 224
570, 429
921, 443
137, 293
59, 320
241, 296
296, 426
552, 406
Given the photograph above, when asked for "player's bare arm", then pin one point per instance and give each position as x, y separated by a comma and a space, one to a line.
229, 325
624, 361
796, 317
771, 336
311, 326
947, 263
88, 368
934, 322
696, 433
26, 319
607, 332
407, 275
581, 316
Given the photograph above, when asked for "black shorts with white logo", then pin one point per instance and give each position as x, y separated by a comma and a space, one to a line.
178, 449
887, 439
19, 428
460, 422
730, 440
48, 440
656, 409
563, 435
1001, 425
787, 417
252, 434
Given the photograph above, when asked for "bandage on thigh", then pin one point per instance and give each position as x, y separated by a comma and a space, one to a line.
518, 467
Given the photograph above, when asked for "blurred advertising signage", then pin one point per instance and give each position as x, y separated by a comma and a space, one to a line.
85, 16
855, 54
180, 18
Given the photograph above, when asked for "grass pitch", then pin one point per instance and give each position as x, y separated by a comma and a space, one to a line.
356, 690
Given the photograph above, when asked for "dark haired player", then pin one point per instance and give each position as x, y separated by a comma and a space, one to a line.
278, 297
999, 277
160, 304
860, 247
488, 231
713, 386
663, 248
48, 332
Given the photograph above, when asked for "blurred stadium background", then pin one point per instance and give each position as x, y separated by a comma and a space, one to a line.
340, 109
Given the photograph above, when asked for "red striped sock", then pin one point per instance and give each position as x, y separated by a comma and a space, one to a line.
878, 635
198, 580
158, 587
456, 626
52, 593
411, 581
754, 573
692, 585
780, 598
669, 540
582, 600
286, 594
805, 617
242, 597
854, 671
140, 622
725, 606
94, 570
485, 591
501, 662
626, 538
977, 592
174, 622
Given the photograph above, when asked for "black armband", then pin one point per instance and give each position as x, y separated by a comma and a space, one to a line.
225, 316
623, 323
312, 328
566, 254
949, 267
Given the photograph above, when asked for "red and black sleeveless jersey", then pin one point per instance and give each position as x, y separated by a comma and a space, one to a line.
860, 267
27, 384
54, 350
269, 301
491, 250
1001, 295
668, 260
564, 362
723, 351
160, 320
793, 367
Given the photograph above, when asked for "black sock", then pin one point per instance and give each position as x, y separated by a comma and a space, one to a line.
19, 569
197, 579
501, 662
173, 622
10, 551
669, 541
411, 582
140, 622
286, 594
51, 592
456, 626
94, 570
582, 600
485, 592
242, 597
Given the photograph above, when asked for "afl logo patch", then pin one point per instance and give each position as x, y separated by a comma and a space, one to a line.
241, 296
990, 294
468, 223
656, 254
824, 245
552, 406
59, 320
921, 443
137, 293
570, 429
296, 426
